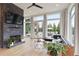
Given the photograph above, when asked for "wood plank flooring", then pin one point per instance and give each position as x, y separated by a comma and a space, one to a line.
25, 49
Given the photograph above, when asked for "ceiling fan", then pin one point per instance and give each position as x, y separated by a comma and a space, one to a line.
34, 4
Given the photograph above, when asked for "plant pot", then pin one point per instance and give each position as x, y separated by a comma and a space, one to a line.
49, 53
53, 53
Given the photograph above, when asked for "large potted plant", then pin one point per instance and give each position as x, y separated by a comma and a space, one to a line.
55, 49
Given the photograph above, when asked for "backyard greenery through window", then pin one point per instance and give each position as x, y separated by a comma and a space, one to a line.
53, 23
28, 26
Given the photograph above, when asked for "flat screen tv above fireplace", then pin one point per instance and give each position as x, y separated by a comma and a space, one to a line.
12, 18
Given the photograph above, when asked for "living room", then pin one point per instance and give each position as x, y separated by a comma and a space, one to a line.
33, 27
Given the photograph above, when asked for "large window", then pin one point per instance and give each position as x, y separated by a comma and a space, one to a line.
38, 26
72, 18
53, 24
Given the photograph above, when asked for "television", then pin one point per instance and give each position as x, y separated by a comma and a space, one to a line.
19, 20
15, 18
9, 17
12, 18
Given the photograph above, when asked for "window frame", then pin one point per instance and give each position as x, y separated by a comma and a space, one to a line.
53, 19
53, 14
38, 20
71, 18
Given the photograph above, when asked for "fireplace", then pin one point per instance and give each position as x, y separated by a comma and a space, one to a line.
16, 38
13, 40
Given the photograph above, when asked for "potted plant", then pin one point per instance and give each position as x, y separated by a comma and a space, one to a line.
10, 42
55, 49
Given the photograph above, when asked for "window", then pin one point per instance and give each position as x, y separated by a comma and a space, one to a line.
72, 12
53, 16
38, 27
53, 25
38, 18
72, 18
27, 26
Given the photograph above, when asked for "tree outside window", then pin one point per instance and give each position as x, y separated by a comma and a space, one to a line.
53, 23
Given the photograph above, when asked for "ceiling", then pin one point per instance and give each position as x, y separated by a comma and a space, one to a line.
47, 8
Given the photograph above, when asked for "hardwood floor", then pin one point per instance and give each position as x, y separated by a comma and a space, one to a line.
25, 49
